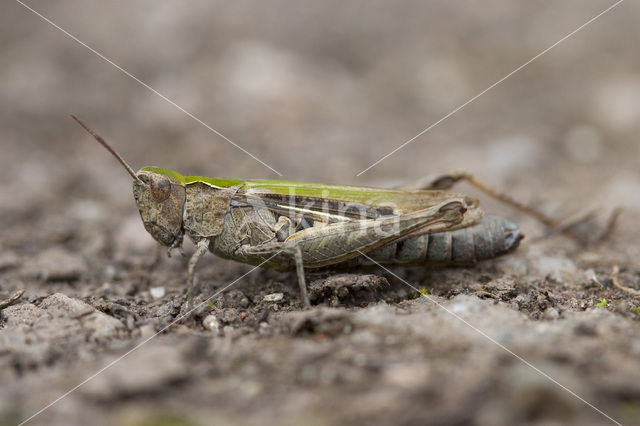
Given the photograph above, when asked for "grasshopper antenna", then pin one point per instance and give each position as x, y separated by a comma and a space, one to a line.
108, 147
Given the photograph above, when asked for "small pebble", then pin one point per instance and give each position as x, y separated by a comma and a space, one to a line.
551, 314
147, 331
590, 275
109, 272
274, 297
210, 322
157, 292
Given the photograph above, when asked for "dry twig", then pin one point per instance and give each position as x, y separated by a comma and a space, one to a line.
13, 299
616, 283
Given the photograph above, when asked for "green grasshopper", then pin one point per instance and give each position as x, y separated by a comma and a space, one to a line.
287, 225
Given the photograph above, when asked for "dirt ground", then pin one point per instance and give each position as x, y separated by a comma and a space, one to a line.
318, 91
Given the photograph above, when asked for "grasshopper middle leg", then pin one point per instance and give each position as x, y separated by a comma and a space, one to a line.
272, 249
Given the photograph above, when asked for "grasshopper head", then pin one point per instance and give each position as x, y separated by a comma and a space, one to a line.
159, 193
160, 198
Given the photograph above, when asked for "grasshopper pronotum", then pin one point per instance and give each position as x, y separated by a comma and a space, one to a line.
298, 225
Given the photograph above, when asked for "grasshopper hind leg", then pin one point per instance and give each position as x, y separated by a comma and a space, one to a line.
447, 180
297, 256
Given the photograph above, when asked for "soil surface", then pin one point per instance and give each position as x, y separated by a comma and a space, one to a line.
319, 91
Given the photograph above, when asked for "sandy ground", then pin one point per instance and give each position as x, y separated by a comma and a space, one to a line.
319, 91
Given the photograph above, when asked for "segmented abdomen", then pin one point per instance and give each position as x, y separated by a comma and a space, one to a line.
492, 236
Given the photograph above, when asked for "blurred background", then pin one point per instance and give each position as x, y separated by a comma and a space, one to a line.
320, 91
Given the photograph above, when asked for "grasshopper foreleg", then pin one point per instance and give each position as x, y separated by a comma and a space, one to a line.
201, 248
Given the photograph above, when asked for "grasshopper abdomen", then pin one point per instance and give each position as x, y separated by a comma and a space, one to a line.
492, 236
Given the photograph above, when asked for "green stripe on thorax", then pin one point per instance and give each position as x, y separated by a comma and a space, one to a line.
406, 200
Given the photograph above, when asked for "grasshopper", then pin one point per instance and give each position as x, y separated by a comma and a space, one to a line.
296, 226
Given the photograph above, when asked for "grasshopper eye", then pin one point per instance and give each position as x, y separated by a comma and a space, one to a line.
160, 188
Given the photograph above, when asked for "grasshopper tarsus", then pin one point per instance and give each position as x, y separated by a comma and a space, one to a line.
570, 227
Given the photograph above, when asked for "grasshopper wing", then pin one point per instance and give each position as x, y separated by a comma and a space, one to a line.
337, 242
317, 202
339, 222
